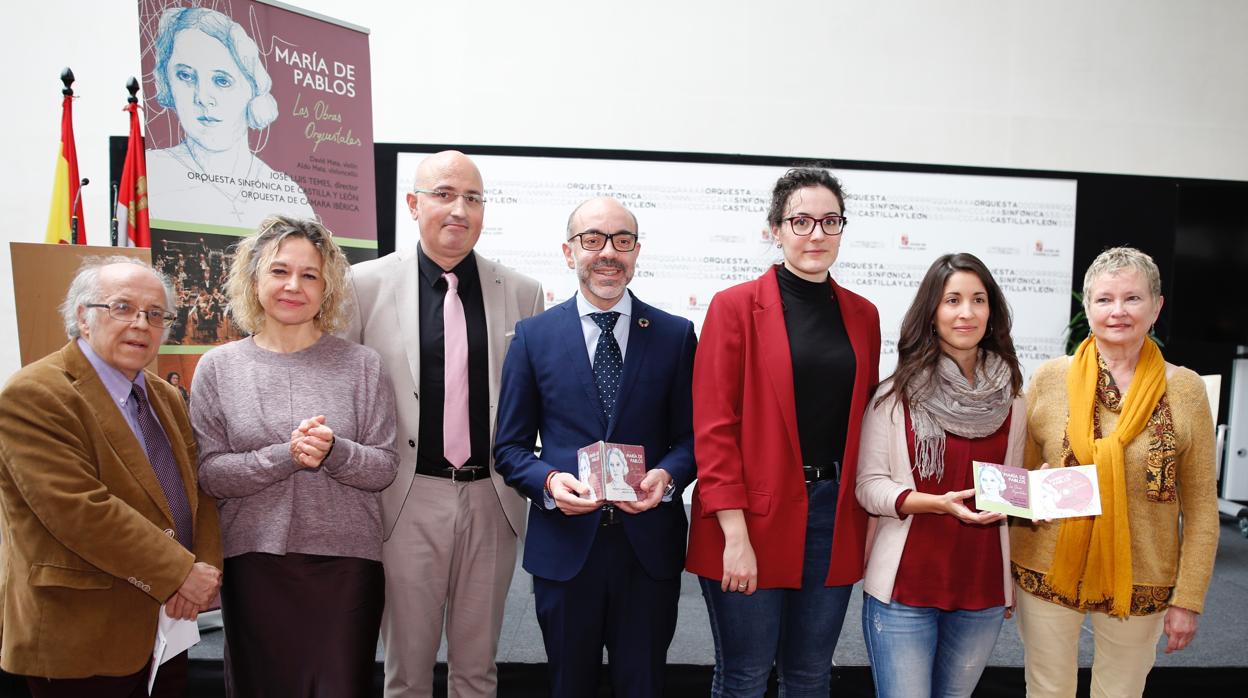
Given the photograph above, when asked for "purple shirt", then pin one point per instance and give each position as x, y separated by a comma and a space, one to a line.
118, 387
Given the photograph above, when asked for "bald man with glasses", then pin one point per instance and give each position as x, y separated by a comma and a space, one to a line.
601, 366
441, 316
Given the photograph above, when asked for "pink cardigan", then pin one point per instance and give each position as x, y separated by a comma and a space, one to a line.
885, 471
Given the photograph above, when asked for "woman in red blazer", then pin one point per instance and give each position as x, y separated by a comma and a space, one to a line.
784, 369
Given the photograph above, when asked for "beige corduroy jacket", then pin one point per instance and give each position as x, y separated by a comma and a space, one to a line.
87, 554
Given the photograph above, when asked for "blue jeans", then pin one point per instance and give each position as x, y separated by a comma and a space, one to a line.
918, 652
796, 629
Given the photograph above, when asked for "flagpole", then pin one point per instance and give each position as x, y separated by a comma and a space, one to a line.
73, 218
132, 86
112, 230
67, 78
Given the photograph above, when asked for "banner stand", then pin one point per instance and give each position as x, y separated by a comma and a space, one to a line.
41, 276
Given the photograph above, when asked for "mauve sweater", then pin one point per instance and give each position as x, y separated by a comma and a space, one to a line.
246, 401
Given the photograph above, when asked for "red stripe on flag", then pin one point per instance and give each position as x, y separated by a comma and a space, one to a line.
132, 190
70, 153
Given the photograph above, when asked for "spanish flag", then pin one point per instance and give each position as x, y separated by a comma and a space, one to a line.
65, 184
132, 190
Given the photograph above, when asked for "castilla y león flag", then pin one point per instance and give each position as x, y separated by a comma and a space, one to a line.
133, 227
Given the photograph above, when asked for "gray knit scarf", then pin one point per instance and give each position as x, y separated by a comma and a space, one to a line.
945, 401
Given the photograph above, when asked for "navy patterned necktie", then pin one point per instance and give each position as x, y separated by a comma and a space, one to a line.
608, 362
160, 455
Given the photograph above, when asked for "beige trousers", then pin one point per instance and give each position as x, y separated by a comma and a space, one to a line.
1123, 649
448, 563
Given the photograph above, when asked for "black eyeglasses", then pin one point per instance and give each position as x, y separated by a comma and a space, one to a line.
592, 241
446, 197
119, 310
805, 225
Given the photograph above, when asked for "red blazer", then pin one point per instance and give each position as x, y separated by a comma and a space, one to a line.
745, 435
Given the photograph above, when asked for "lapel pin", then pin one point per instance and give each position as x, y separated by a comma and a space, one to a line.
643, 322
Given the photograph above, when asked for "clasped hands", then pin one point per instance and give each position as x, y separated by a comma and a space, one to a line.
196, 594
572, 496
311, 441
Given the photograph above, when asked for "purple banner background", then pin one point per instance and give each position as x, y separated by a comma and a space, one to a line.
322, 137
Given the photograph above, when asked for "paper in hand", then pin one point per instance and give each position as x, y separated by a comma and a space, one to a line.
173, 637
1052, 493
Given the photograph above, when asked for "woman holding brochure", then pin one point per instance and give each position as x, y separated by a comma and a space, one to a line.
1146, 426
937, 587
296, 431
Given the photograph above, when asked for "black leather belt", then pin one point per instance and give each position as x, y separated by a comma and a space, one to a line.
610, 515
816, 473
468, 473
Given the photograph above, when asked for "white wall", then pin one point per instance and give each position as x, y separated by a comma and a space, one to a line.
1126, 86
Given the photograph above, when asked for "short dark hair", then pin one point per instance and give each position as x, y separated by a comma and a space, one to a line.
918, 347
800, 178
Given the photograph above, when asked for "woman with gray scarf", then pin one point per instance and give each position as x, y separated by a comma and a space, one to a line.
937, 585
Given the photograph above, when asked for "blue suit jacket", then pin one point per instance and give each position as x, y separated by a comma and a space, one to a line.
548, 388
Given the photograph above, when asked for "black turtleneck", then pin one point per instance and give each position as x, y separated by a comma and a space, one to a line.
823, 367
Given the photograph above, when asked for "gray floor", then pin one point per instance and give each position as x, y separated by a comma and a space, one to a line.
1221, 641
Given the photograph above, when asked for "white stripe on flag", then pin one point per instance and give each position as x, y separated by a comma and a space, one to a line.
123, 228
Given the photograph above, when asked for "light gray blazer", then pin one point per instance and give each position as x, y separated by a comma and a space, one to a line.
386, 317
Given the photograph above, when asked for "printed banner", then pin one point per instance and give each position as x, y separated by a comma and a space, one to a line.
252, 109
703, 228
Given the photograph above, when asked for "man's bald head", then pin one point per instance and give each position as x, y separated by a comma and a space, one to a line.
450, 224
602, 201
604, 273
438, 164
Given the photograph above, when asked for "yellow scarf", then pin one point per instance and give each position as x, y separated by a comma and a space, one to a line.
1093, 557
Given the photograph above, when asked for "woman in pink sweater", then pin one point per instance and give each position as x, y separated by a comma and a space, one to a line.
296, 431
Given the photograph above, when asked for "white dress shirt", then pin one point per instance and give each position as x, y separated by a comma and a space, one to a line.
591, 330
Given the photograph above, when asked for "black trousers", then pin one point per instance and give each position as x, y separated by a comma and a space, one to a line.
170, 683
301, 625
611, 602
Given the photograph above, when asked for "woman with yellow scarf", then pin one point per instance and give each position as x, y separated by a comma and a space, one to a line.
1146, 426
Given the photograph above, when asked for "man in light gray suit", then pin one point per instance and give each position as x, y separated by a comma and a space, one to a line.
441, 317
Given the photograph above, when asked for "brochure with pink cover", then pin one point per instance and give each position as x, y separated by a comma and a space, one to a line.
1052, 493
612, 471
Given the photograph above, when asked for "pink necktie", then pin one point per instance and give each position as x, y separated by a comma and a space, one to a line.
456, 441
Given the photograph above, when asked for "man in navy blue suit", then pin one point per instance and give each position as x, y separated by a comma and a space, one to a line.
602, 366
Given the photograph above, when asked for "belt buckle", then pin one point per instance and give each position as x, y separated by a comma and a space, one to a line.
819, 473
464, 474
609, 513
